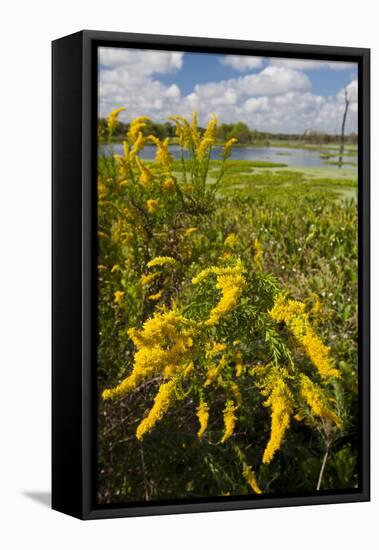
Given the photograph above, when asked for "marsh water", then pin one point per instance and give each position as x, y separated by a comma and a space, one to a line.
307, 158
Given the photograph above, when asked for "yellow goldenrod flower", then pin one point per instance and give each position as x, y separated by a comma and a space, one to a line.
214, 372
188, 369
152, 206
230, 420
250, 478
236, 393
164, 339
156, 297
137, 146
162, 260
183, 130
231, 240
135, 127
227, 149
231, 287
257, 253
118, 296
194, 130
314, 397
231, 282
203, 415
116, 267
204, 148
163, 155
149, 278
280, 401
112, 120
146, 176
162, 401
168, 184
190, 230
214, 349
210, 131
239, 363
293, 314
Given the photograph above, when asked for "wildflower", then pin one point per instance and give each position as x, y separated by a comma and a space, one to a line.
112, 120
227, 149
293, 314
231, 240
188, 369
135, 127
163, 340
214, 371
230, 420
116, 267
183, 130
152, 206
280, 401
216, 348
156, 297
162, 260
257, 253
210, 131
163, 156
315, 398
239, 363
118, 296
231, 287
194, 130
149, 278
231, 282
250, 478
236, 393
203, 415
190, 230
162, 401
168, 184
146, 176
137, 146
203, 148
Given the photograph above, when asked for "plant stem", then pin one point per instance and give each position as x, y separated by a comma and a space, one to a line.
324, 461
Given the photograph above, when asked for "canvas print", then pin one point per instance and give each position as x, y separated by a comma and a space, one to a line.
227, 276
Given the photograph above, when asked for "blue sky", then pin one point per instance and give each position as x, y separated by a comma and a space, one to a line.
197, 68
271, 94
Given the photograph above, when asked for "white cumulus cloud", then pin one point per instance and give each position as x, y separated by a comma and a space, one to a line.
242, 63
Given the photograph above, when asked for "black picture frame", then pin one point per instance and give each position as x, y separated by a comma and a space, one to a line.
74, 92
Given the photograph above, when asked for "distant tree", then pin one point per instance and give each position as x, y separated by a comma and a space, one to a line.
342, 146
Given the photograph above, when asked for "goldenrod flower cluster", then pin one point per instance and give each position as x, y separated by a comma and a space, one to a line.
231, 240
136, 126
250, 478
162, 402
227, 149
152, 205
231, 282
162, 260
164, 340
112, 120
203, 415
230, 420
293, 314
118, 296
146, 175
280, 400
315, 398
163, 156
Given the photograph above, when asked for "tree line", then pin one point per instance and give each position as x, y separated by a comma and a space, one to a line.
238, 130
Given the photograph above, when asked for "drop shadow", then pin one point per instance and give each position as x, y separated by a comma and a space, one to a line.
42, 497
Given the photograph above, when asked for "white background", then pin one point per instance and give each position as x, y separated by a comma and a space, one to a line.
27, 29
